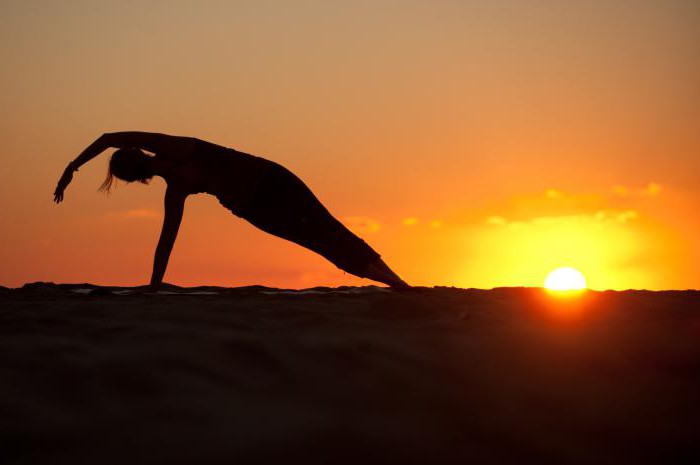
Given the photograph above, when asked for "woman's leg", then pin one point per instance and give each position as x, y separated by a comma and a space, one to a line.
286, 207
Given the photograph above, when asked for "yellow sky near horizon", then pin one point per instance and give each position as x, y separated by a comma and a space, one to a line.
474, 144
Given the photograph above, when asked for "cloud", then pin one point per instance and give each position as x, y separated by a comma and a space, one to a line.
411, 221
601, 216
627, 215
362, 223
622, 205
652, 189
496, 220
140, 213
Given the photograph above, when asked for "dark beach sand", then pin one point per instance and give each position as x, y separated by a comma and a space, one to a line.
348, 375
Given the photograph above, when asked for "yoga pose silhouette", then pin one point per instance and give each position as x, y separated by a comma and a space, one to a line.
260, 191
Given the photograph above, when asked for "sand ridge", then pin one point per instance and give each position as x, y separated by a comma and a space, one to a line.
99, 374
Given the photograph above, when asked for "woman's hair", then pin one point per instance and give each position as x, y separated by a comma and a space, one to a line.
128, 164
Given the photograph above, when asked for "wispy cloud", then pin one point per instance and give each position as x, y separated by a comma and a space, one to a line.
652, 189
600, 216
495, 220
362, 223
620, 205
139, 213
413, 221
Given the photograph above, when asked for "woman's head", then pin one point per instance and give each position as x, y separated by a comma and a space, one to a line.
128, 164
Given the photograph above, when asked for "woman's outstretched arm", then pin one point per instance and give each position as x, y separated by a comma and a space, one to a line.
174, 207
92, 150
153, 142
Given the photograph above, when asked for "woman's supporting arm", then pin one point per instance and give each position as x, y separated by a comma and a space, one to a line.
174, 207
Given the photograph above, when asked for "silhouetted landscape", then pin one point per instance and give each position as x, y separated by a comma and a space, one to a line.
211, 375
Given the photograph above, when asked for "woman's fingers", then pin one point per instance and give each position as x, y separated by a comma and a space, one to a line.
62, 184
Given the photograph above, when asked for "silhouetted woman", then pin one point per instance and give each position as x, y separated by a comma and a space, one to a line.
261, 191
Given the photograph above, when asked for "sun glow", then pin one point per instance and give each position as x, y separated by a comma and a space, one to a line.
565, 279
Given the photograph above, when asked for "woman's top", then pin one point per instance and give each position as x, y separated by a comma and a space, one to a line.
233, 177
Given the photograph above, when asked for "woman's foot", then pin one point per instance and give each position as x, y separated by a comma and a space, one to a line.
379, 271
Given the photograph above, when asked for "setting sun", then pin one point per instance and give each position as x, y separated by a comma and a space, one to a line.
565, 279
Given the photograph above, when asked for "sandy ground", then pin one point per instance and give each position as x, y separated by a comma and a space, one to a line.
92, 375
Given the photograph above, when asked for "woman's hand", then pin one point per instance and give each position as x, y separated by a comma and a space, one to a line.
66, 178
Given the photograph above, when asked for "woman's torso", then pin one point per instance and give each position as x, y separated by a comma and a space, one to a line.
229, 175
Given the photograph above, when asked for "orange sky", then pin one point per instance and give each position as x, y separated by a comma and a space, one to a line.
474, 144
